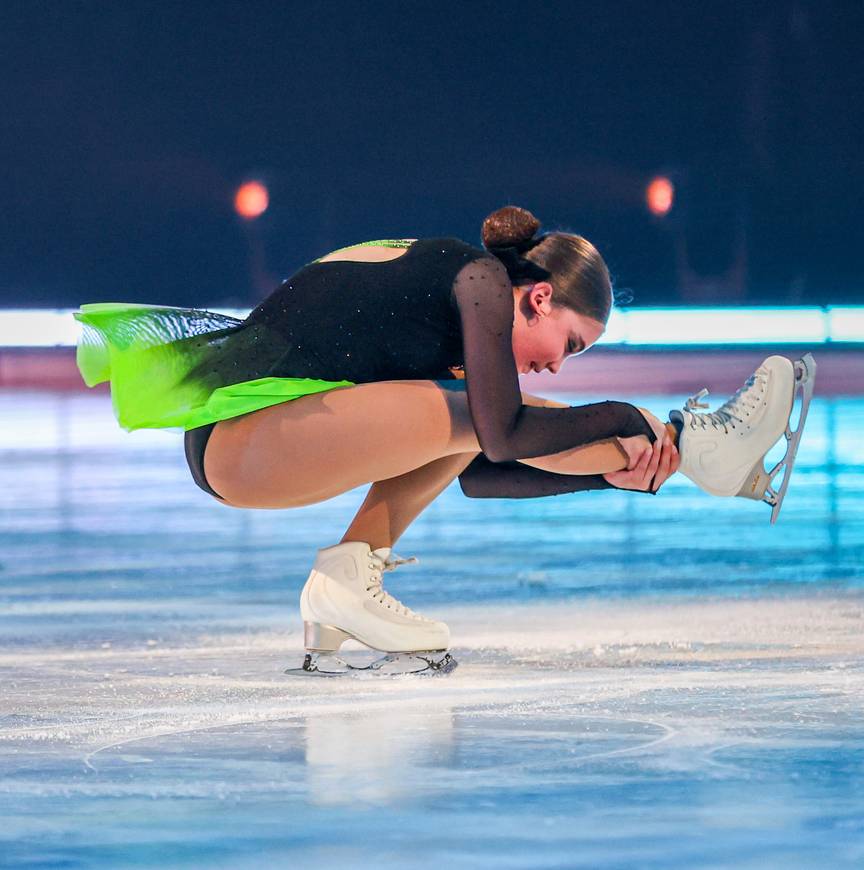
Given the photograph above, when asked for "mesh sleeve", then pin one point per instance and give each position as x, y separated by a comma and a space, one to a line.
485, 479
507, 429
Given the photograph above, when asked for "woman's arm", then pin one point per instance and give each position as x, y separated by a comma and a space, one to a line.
506, 428
485, 479
599, 457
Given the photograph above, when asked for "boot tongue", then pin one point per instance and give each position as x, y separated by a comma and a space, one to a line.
677, 420
383, 552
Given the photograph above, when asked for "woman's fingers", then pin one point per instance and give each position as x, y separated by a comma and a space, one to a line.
668, 464
654, 463
642, 472
636, 474
634, 447
649, 467
663, 466
644, 462
675, 459
660, 450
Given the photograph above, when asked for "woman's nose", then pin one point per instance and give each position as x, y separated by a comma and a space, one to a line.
553, 367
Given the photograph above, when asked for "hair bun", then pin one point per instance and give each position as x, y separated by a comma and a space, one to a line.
509, 225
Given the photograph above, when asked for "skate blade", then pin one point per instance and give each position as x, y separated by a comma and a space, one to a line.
392, 664
805, 380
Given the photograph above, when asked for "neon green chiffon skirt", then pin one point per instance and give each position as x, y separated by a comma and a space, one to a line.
180, 368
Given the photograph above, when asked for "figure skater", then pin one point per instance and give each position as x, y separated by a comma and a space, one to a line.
395, 363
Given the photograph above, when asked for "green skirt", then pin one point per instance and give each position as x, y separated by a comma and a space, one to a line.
180, 368
183, 368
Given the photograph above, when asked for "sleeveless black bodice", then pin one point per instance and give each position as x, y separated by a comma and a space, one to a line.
362, 322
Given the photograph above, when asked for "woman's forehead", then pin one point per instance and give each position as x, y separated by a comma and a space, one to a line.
587, 327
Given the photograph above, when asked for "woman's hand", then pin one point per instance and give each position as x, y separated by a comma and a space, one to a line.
657, 425
646, 463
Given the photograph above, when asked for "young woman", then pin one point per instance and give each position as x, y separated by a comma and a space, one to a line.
395, 363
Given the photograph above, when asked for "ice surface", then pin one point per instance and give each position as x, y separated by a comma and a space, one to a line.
643, 682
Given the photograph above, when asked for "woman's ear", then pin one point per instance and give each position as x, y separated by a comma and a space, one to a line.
540, 295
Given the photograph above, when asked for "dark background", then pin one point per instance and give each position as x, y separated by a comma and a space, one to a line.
127, 126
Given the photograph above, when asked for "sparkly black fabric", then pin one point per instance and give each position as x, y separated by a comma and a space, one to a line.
363, 322
442, 304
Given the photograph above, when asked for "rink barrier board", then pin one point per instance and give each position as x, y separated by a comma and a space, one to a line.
605, 371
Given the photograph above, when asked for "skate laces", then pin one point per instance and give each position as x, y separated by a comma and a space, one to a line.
745, 399
377, 566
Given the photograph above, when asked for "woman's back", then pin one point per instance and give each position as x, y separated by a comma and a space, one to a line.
369, 321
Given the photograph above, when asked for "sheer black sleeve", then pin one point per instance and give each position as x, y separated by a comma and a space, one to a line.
507, 429
485, 479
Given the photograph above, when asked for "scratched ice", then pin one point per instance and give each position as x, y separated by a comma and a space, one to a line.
646, 682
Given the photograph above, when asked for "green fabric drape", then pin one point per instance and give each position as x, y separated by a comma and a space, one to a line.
175, 368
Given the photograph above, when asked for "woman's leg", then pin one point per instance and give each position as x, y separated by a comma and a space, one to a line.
392, 505
597, 458
316, 447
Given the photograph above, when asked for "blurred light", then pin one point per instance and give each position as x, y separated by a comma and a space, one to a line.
846, 323
659, 196
40, 328
251, 200
719, 326
669, 327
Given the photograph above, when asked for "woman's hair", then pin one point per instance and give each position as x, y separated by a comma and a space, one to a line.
580, 278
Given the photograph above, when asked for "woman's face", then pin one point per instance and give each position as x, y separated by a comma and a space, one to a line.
544, 335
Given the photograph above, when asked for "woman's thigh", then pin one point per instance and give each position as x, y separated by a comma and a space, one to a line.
318, 446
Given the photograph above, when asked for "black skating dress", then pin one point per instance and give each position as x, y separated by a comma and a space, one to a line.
443, 311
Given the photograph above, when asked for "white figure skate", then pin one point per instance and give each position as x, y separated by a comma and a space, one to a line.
723, 452
344, 599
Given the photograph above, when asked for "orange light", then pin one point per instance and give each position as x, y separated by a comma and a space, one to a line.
251, 200
659, 196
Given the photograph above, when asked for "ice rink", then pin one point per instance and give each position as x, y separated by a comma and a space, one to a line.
643, 681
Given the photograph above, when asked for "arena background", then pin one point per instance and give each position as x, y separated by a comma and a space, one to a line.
643, 682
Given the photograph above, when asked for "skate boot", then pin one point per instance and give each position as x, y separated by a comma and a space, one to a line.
344, 598
723, 452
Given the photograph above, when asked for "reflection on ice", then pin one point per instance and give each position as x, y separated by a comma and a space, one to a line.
377, 756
